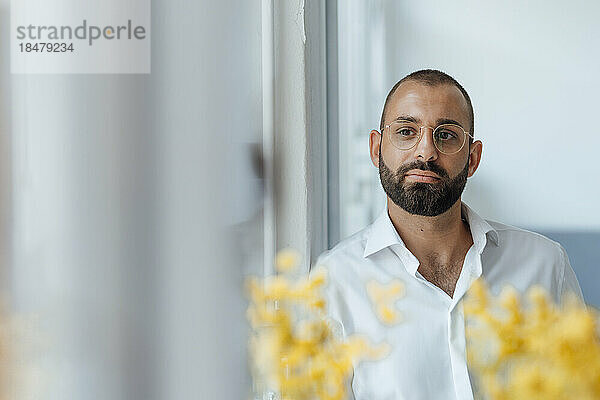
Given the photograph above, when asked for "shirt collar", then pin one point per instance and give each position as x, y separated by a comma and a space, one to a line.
479, 228
383, 234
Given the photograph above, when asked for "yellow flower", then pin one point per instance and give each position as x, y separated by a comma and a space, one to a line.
287, 260
294, 350
539, 351
383, 298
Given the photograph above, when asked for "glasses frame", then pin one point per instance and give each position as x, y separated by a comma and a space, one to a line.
432, 133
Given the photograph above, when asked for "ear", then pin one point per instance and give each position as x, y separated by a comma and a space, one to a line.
475, 157
374, 144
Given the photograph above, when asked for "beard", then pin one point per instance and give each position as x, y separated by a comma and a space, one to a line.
422, 198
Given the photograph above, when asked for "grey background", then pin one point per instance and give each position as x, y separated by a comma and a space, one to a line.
582, 249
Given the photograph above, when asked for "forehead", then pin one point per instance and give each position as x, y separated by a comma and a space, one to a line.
428, 103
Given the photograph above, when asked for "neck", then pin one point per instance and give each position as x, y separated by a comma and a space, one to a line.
446, 236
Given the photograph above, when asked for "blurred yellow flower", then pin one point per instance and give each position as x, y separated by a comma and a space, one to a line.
294, 349
384, 297
533, 351
287, 260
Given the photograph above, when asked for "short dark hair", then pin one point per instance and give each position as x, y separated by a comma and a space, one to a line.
431, 77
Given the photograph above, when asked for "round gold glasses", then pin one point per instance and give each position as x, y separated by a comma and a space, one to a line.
447, 138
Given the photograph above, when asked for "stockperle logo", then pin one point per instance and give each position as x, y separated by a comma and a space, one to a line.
74, 36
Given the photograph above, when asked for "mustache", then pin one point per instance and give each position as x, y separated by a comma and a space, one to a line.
423, 166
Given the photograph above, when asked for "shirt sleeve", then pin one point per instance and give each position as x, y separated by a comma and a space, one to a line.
569, 283
337, 311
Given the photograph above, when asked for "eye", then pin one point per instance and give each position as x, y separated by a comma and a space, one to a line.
403, 130
406, 132
446, 135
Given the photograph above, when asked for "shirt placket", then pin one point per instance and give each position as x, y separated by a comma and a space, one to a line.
471, 270
456, 323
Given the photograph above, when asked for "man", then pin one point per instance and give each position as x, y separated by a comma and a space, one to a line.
432, 242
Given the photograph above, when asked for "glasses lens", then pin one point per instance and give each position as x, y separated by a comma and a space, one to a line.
404, 135
449, 138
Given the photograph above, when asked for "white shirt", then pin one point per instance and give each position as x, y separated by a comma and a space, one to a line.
428, 359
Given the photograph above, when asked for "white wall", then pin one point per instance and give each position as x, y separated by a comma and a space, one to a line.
207, 103
531, 70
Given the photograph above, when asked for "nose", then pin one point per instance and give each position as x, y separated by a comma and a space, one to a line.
425, 149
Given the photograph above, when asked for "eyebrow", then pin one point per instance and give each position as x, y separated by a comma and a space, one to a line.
439, 121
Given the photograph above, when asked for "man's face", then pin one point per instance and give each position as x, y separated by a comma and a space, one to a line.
422, 180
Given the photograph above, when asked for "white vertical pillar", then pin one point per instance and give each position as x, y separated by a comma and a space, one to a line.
291, 151
268, 119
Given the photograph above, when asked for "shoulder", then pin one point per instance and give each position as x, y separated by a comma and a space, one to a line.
517, 239
344, 260
545, 259
351, 248
510, 232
